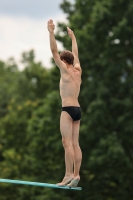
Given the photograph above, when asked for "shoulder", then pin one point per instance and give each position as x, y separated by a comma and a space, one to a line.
78, 67
61, 65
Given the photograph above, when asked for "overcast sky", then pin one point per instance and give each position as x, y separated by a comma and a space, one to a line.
23, 26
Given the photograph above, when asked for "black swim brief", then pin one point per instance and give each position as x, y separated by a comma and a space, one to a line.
74, 112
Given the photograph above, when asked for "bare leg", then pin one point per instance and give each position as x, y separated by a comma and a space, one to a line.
77, 154
66, 131
76, 147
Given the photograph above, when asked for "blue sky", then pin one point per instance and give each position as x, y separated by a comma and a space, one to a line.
38, 9
23, 26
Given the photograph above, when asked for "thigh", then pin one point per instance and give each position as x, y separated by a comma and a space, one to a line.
75, 131
66, 125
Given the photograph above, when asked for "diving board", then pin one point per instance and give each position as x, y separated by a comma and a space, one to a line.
48, 185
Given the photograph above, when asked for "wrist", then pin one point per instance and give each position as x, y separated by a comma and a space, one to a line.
73, 37
51, 31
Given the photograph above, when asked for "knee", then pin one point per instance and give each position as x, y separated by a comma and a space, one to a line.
75, 145
66, 143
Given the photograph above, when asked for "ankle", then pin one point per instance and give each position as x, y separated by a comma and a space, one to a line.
69, 175
76, 177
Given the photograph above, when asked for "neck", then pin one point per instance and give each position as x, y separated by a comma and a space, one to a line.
68, 65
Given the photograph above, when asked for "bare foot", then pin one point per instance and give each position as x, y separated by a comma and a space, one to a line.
66, 180
74, 182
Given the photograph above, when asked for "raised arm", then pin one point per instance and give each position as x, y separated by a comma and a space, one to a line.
53, 45
74, 48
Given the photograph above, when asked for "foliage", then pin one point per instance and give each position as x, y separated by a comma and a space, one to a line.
104, 35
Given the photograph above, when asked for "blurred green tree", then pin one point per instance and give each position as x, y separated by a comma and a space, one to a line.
29, 131
8, 76
104, 35
34, 81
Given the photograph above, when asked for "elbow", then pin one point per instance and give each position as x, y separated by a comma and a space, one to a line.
76, 55
53, 50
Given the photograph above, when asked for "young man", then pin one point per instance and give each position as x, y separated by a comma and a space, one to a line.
70, 81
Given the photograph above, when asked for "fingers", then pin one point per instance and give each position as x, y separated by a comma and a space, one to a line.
51, 25
50, 21
68, 28
70, 32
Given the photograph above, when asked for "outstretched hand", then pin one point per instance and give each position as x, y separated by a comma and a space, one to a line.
70, 32
50, 25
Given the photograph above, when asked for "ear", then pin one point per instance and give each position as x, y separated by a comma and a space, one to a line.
64, 61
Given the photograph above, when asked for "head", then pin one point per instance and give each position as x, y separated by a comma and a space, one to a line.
67, 56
